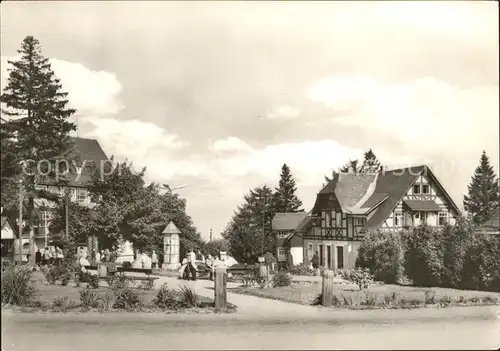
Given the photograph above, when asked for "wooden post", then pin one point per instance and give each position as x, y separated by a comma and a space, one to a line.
327, 289
220, 295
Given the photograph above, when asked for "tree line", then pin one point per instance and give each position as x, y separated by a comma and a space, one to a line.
35, 125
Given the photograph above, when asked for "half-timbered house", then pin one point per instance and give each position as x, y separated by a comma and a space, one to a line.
352, 203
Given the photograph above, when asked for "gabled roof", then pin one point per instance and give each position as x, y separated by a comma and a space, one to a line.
377, 193
171, 228
4, 220
287, 221
86, 153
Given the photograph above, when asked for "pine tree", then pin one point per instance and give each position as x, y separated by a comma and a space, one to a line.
483, 196
352, 165
37, 116
370, 164
284, 198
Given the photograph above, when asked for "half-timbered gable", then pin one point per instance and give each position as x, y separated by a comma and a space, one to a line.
352, 203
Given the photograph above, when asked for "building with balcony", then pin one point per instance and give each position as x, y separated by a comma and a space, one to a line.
352, 203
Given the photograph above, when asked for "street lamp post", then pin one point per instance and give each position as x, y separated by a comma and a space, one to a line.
20, 234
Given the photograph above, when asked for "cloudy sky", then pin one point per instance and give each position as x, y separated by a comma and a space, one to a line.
219, 95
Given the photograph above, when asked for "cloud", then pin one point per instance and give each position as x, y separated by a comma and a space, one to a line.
90, 92
229, 144
426, 114
284, 112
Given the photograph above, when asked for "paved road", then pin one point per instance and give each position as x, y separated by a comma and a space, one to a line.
451, 328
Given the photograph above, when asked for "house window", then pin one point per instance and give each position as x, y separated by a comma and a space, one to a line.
398, 218
423, 216
310, 250
281, 254
328, 219
442, 218
416, 189
81, 195
359, 221
338, 219
417, 215
425, 189
282, 234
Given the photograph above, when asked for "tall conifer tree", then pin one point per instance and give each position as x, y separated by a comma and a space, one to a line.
483, 196
37, 116
285, 199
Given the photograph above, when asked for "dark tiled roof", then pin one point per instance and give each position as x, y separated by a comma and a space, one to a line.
395, 184
287, 221
87, 153
305, 224
374, 200
422, 205
352, 187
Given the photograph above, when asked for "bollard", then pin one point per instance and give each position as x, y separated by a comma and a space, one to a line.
220, 295
327, 289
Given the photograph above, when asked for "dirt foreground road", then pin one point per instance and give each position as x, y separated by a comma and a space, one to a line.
452, 328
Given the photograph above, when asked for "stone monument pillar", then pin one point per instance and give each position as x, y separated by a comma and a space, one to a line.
171, 247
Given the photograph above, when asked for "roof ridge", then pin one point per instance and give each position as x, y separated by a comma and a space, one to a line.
404, 168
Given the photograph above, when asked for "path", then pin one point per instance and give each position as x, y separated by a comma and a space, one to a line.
463, 328
248, 305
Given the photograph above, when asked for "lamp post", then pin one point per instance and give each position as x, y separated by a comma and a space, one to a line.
20, 219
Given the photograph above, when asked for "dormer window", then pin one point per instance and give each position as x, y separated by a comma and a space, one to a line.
425, 189
416, 189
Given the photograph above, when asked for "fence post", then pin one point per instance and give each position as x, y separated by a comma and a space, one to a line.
327, 289
220, 295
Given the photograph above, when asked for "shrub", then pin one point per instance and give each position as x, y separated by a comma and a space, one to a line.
89, 298
490, 299
462, 299
301, 269
456, 240
127, 299
474, 299
381, 252
281, 279
188, 296
370, 299
127, 264
60, 302
444, 301
108, 300
18, 287
392, 299
167, 299
424, 255
359, 276
430, 297
58, 272
481, 268
347, 300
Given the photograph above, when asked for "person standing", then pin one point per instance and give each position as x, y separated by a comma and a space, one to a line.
46, 257
154, 259
98, 257
211, 265
38, 258
192, 264
315, 263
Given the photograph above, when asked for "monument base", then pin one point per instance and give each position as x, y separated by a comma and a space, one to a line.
125, 258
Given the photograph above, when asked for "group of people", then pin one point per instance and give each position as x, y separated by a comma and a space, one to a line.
50, 255
189, 267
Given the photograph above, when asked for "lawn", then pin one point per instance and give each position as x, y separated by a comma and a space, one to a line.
307, 293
